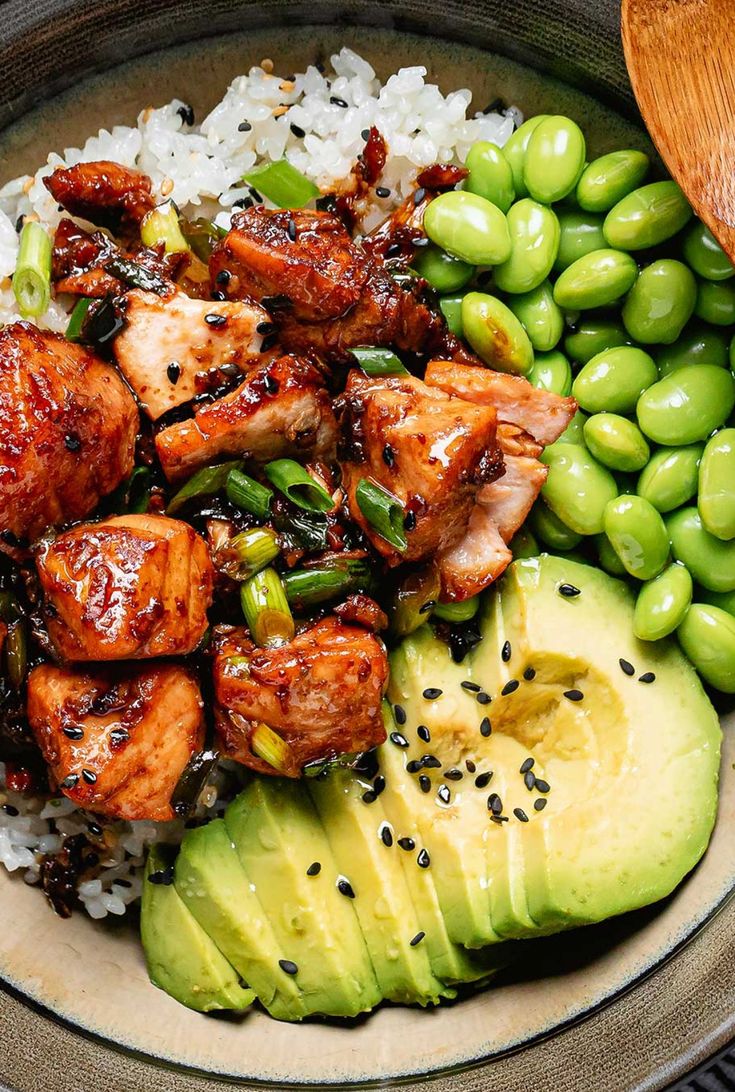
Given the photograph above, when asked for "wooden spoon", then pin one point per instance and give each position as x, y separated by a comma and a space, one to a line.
681, 60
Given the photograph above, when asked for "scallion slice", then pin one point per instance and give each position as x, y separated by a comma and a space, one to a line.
202, 235
266, 609
458, 612
245, 493
451, 308
383, 511
206, 482
282, 184
134, 493
161, 225
76, 321
136, 275
270, 748
255, 549
290, 478
309, 587
375, 361
32, 277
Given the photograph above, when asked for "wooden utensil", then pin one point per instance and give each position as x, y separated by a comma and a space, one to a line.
681, 60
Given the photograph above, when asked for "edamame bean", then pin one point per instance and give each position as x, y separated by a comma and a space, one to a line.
705, 255
495, 333
490, 174
662, 603
660, 303
715, 303
534, 240
574, 432
554, 159
451, 308
724, 600
616, 442
468, 227
608, 179
551, 372
607, 557
707, 636
592, 336
697, 345
514, 151
523, 544
687, 405
443, 272
647, 216
716, 500
579, 234
671, 477
541, 316
638, 536
614, 380
551, 530
595, 280
710, 560
578, 488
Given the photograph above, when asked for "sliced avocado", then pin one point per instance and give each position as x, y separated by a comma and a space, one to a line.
181, 958
212, 884
278, 837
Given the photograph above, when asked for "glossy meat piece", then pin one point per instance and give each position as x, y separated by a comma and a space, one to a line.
361, 610
103, 192
429, 450
168, 341
117, 741
510, 499
542, 414
478, 559
280, 410
79, 260
67, 430
126, 588
320, 692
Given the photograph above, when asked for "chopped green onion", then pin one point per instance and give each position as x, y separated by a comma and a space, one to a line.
266, 609
451, 308
255, 549
309, 587
413, 600
383, 511
282, 184
9, 608
202, 236
76, 321
294, 482
161, 225
16, 653
374, 361
134, 493
136, 275
205, 483
191, 783
269, 747
458, 612
245, 493
32, 277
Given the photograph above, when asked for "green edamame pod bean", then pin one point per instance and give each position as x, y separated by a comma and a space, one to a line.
724, 600
687, 405
660, 303
606, 180
696, 345
614, 380
710, 560
705, 255
523, 544
579, 233
551, 372
671, 477
554, 159
638, 536
578, 488
468, 227
495, 334
592, 336
607, 557
647, 216
662, 603
595, 280
514, 151
541, 316
616, 442
551, 530
707, 636
715, 303
574, 432
443, 272
490, 174
451, 308
534, 240
716, 500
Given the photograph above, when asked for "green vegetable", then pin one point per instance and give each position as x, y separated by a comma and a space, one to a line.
515, 148
609, 179
268, 746
458, 612
592, 336
205, 483
291, 479
255, 549
595, 280
554, 159
710, 561
468, 227
574, 432
16, 653
451, 308
161, 225
265, 606
375, 361
32, 277
134, 494
614, 380
414, 600
707, 636
443, 272
579, 233
73, 330
534, 241
687, 405
383, 511
490, 174
282, 184
540, 315
247, 494
495, 334
552, 531
724, 600
670, 478
524, 544
705, 255
662, 603
306, 588
696, 345
551, 372
638, 535
716, 501
202, 236
616, 442
715, 303
660, 303
647, 216
607, 557
577, 488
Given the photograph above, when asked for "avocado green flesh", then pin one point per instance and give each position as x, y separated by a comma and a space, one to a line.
182, 959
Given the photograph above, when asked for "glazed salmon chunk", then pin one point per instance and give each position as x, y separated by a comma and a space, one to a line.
103, 192
126, 588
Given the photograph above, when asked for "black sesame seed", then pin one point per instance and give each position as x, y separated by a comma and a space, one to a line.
626, 667
219, 296
265, 327
164, 876
425, 783
423, 733
123, 883
379, 785
485, 727
540, 804
400, 714
386, 835
314, 869
431, 762
393, 250
268, 343
399, 739
529, 780
243, 203
407, 843
454, 774
119, 735
382, 191
74, 732
573, 695
569, 591
483, 780
369, 797
257, 197
186, 113
499, 819
288, 966
215, 320
271, 384
510, 687
529, 674
19, 223
471, 687
506, 652
173, 371
365, 134
417, 939
428, 605
421, 240
297, 131
432, 693
471, 767
338, 102
646, 677
494, 803
10, 810
444, 794
291, 230
345, 888
89, 776
9, 538
389, 456
69, 782
414, 765
72, 442
483, 698
423, 860
409, 522
520, 815
419, 195
244, 127
527, 765
223, 277
542, 786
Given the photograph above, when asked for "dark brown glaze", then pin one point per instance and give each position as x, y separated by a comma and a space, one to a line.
361, 610
432, 453
320, 692
399, 233
103, 192
67, 430
280, 410
117, 741
126, 588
